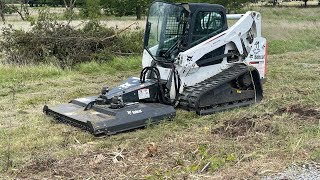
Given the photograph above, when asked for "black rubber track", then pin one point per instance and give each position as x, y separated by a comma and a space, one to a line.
191, 95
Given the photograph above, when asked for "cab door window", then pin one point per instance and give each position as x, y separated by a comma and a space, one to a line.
207, 23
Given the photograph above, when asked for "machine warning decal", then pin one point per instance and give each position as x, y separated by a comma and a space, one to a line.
259, 56
70, 114
133, 112
189, 58
143, 93
125, 85
256, 50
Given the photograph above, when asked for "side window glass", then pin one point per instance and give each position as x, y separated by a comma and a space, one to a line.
207, 23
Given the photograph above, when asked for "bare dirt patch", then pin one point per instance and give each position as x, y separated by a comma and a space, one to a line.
234, 127
41, 165
245, 127
263, 124
300, 111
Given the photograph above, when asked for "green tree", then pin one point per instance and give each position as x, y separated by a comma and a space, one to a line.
91, 9
114, 7
125, 7
140, 7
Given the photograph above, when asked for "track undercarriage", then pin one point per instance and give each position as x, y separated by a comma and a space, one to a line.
228, 89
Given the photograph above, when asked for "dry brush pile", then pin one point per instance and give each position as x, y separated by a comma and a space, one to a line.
53, 42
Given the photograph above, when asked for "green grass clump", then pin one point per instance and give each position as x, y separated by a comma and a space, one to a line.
116, 65
29, 73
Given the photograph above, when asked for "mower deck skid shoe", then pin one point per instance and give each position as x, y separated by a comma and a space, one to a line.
102, 120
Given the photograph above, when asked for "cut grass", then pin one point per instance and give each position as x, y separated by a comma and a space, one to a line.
240, 143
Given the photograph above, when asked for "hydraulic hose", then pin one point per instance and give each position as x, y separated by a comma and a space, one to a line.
155, 70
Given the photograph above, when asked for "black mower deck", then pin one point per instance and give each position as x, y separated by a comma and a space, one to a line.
102, 120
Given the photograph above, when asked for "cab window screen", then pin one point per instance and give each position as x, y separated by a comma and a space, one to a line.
207, 23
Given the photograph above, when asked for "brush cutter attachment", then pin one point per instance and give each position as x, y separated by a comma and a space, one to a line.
113, 112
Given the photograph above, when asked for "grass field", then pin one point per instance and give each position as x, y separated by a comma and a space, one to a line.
242, 143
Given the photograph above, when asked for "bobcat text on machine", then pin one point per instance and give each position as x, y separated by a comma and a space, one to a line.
191, 60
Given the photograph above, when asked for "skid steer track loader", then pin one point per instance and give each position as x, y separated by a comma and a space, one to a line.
191, 60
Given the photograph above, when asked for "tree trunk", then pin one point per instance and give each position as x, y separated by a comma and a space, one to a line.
2, 6
274, 2
69, 6
23, 11
138, 12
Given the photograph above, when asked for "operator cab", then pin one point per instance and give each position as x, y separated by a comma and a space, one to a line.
174, 28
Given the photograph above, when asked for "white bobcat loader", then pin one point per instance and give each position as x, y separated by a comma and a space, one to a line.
192, 60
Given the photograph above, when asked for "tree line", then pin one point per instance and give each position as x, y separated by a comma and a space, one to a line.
128, 7
92, 8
